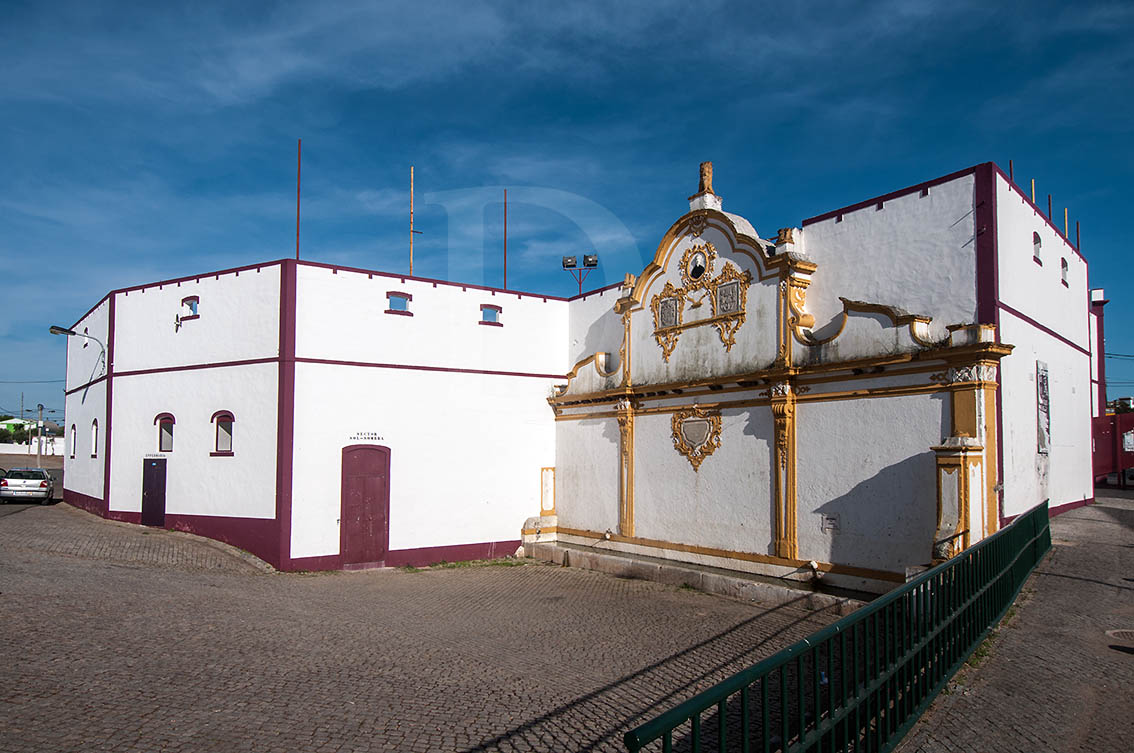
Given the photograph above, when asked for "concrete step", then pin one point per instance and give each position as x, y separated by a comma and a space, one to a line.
771, 592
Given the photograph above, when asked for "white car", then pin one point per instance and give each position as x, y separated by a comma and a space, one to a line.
27, 484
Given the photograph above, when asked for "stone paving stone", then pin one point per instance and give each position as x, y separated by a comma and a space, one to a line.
121, 638
1053, 681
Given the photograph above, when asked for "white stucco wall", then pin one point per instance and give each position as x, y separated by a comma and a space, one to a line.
917, 253
727, 504
239, 320
465, 452
1036, 290
593, 327
1064, 474
196, 483
340, 317
869, 462
83, 473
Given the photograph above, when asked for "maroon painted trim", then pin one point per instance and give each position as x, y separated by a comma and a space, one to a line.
1065, 283
107, 435
190, 318
164, 417
1037, 260
1100, 357
1068, 507
82, 387
84, 502
1037, 325
463, 285
91, 310
285, 428
422, 557
986, 232
223, 414
222, 454
491, 307
600, 291
255, 535
890, 196
448, 369
195, 366
491, 324
396, 312
197, 278
398, 294
194, 298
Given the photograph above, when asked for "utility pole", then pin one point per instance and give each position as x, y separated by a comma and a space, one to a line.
412, 232
39, 437
505, 238
298, 170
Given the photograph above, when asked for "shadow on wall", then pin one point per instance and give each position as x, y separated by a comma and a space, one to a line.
885, 522
761, 426
604, 335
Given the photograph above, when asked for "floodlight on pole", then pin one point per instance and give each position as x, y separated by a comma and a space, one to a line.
570, 264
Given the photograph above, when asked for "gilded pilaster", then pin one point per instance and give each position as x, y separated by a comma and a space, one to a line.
783, 412
625, 413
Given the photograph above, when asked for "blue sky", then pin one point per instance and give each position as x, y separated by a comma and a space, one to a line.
143, 141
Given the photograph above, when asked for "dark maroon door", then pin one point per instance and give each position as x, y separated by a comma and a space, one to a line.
365, 525
153, 492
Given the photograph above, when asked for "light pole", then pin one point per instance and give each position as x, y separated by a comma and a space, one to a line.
570, 264
57, 330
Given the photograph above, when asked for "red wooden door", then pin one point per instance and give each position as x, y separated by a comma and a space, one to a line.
365, 527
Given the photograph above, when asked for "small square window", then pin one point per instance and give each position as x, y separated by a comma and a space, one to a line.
398, 303
190, 308
490, 315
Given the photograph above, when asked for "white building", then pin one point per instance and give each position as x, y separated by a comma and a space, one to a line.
890, 379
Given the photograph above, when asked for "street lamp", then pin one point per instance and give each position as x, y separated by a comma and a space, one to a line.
57, 330
570, 264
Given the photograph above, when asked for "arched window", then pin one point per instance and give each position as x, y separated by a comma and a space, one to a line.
1063, 271
165, 422
72, 453
223, 421
1036, 247
94, 438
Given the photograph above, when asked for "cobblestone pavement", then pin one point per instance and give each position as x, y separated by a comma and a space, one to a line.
118, 638
1053, 680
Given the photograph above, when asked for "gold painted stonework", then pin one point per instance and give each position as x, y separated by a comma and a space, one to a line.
727, 294
696, 433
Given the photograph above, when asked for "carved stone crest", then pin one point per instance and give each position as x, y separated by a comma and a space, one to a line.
727, 293
696, 433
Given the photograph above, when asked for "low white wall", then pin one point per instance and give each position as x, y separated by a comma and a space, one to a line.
48, 446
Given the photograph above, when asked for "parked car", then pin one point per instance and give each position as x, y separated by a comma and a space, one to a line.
27, 484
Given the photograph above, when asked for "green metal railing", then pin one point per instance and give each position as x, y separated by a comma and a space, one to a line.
859, 684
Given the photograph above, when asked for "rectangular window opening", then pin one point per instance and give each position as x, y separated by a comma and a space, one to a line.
490, 315
224, 436
398, 303
165, 436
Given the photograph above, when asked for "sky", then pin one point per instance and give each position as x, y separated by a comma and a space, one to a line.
144, 141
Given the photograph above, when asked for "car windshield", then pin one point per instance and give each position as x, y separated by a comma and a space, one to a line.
27, 475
